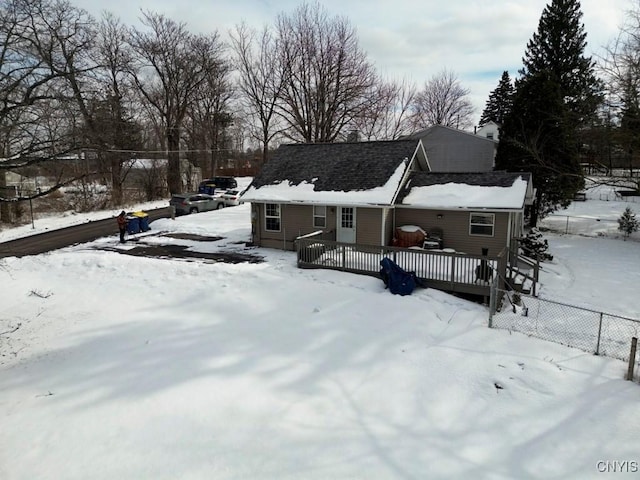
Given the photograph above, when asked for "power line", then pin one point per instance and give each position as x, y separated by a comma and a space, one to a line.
172, 151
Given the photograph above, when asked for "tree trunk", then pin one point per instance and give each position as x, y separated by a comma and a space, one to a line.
5, 211
535, 209
116, 179
174, 179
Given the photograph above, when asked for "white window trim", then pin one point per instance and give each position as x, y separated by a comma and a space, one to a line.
492, 224
279, 217
316, 216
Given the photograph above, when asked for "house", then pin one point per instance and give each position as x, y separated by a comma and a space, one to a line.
490, 130
347, 191
452, 150
360, 193
345, 205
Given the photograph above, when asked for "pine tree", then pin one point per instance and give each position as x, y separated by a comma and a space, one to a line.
534, 246
628, 133
556, 94
628, 223
499, 103
558, 49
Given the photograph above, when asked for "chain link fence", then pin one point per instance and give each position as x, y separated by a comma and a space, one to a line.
577, 225
589, 330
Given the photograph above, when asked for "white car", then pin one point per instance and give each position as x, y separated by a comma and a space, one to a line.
231, 198
194, 202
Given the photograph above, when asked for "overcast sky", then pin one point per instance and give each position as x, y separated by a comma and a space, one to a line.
413, 39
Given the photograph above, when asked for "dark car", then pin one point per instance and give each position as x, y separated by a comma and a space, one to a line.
194, 202
211, 185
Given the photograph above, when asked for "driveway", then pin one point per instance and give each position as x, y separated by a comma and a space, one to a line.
64, 237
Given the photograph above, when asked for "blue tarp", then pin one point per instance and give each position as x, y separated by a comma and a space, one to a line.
396, 279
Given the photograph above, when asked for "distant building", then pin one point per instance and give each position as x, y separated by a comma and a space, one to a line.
489, 130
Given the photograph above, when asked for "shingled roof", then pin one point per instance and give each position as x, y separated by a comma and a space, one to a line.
359, 172
336, 166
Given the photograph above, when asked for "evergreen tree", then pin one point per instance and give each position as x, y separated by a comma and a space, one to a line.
628, 133
499, 103
554, 98
534, 246
628, 223
558, 49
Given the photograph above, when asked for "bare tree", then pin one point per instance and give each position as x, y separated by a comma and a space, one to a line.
209, 116
112, 115
387, 113
442, 101
259, 83
325, 74
43, 62
171, 64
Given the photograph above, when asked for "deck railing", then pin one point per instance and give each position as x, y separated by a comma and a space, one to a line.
452, 272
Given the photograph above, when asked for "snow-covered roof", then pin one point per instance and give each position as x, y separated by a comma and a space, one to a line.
359, 173
487, 190
304, 192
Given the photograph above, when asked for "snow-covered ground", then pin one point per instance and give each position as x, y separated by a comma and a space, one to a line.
122, 367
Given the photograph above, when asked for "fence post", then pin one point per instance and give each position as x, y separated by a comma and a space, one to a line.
566, 230
632, 358
599, 334
492, 301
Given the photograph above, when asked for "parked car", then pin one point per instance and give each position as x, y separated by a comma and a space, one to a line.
231, 198
185, 203
211, 185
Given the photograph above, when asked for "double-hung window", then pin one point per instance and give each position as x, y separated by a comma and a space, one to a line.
272, 217
481, 224
319, 216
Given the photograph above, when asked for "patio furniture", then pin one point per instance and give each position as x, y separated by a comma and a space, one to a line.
433, 239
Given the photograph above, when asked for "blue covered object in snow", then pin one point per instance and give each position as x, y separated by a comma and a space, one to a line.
133, 224
396, 279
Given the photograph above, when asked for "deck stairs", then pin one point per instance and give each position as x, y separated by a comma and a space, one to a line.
523, 274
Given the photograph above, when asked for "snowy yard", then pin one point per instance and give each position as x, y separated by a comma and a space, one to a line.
122, 367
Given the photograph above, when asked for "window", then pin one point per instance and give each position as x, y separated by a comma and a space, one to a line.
482, 224
319, 216
346, 220
272, 217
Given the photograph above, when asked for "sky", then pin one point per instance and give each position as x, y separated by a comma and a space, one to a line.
405, 39
129, 367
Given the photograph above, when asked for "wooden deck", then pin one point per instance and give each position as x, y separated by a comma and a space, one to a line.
450, 272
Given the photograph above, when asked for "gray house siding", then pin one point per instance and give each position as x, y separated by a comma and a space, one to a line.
452, 151
295, 220
388, 226
455, 227
369, 226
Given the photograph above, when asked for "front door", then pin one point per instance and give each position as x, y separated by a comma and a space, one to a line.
346, 231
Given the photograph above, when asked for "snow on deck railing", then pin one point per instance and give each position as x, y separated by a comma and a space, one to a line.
309, 235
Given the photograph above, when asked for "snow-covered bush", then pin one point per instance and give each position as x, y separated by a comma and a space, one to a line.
534, 246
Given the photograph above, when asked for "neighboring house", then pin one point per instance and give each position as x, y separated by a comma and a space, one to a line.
490, 130
24, 185
451, 150
361, 192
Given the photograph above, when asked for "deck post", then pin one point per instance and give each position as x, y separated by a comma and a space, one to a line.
453, 270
